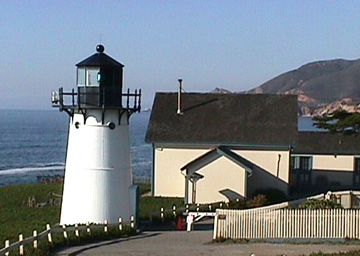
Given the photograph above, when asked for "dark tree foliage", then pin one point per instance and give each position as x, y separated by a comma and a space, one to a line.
339, 121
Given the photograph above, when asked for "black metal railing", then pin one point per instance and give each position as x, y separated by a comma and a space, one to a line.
95, 98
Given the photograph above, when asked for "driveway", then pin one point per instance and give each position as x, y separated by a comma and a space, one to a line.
179, 243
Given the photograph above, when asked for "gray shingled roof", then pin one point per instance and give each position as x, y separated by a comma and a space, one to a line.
224, 119
326, 143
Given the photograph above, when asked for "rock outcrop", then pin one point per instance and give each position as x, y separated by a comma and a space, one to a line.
322, 86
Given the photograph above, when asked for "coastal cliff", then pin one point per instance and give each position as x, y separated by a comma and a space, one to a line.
321, 86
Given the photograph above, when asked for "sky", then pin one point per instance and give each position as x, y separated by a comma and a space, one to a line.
236, 45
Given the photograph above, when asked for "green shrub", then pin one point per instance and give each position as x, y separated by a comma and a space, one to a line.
320, 204
273, 195
257, 201
237, 204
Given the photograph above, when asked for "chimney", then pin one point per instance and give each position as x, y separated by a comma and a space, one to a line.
179, 112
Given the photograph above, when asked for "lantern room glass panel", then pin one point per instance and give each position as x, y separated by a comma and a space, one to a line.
93, 77
81, 76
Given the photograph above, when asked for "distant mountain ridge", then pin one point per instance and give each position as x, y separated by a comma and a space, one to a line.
321, 86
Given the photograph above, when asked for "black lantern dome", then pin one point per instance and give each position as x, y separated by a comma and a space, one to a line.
99, 84
99, 80
99, 59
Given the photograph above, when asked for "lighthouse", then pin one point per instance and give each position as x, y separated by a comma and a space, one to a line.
98, 178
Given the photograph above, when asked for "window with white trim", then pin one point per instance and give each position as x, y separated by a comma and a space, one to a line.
357, 165
88, 77
302, 163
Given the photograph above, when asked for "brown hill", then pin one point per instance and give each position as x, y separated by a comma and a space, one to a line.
321, 86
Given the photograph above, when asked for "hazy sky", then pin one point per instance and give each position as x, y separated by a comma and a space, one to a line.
235, 45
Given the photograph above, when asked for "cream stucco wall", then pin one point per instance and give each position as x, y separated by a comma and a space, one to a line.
168, 179
274, 162
223, 181
330, 162
272, 169
271, 172
336, 170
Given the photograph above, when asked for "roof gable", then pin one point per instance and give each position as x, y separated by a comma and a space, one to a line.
216, 153
224, 118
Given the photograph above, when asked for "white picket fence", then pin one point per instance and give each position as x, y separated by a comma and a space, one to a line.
287, 223
47, 234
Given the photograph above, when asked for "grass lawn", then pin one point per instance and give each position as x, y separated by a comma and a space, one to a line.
16, 217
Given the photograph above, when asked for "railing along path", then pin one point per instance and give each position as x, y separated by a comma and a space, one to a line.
47, 233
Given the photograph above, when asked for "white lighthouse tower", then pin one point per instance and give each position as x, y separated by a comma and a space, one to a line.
98, 178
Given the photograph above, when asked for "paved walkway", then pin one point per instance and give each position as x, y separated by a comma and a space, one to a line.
179, 243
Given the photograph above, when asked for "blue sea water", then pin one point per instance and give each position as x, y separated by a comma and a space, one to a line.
307, 124
33, 143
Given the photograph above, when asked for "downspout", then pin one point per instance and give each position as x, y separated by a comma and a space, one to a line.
289, 170
278, 166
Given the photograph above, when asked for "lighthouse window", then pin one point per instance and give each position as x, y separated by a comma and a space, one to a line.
92, 77
81, 77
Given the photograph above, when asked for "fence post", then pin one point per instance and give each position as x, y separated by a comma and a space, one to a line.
132, 222
209, 207
120, 224
174, 210
77, 230
7, 245
162, 213
21, 247
105, 226
215, 227
35, 243
88, 228
64, 232
197, 207
49, 234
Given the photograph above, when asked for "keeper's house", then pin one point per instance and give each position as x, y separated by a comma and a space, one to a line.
219, 147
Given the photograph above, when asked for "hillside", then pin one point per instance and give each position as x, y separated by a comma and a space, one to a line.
321, 86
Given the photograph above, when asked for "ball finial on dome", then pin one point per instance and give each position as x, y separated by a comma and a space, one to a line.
100, 48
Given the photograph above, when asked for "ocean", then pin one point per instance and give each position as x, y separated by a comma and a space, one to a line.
33, 144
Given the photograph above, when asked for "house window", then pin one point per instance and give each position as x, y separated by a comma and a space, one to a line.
357, 165
301, 163
294, 163
305, 163
88, 77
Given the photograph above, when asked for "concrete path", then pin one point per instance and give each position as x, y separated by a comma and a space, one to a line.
179, 243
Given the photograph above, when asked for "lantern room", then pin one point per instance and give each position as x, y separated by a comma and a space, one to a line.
99, 81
